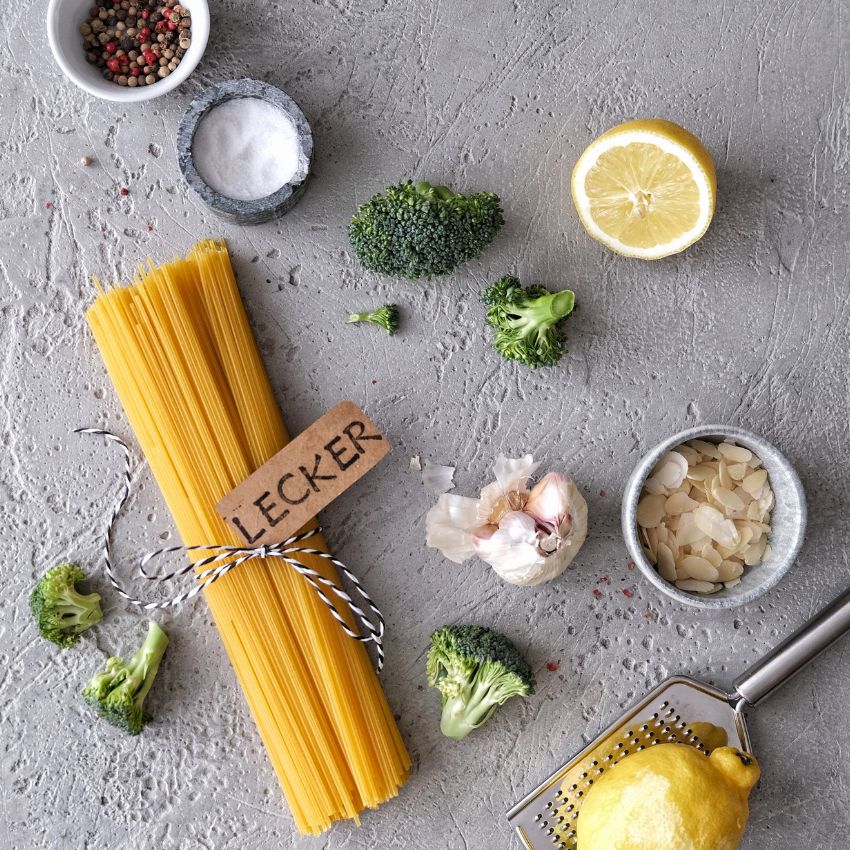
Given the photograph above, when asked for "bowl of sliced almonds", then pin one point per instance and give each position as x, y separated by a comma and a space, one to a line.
714, 516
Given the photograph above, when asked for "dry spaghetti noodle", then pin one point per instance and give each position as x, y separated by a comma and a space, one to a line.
185, 365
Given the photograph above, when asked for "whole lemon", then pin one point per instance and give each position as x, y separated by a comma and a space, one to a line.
670, 796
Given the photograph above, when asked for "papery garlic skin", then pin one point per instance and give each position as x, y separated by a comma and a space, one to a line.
508, 492
449, 526
526, 537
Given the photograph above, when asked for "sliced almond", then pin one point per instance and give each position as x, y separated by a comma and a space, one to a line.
695, 567
706, 448
692, 456
736, 454
727, 551
711, 522
702, 471
652, 539
694, 586
738, 471
654, 487
711, 555
688, 531
755, 552
746, 536
727, 498
743, 495
666, 562
730, 570
698, 495
754, 482
680, 503
650, 511
671, 470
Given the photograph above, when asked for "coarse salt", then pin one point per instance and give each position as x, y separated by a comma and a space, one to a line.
246, 148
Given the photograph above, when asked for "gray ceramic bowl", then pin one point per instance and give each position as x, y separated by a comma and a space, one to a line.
788, 520
232, 209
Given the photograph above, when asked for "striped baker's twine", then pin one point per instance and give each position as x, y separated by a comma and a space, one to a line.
234, 556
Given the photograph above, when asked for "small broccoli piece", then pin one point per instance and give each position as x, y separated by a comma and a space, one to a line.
60, 611
118, 693
386, 317
525, 320
420, 230
476, 670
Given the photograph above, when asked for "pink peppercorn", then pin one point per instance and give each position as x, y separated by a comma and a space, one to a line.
123, 191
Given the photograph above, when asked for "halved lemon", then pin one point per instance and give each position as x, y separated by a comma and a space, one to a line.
645, 188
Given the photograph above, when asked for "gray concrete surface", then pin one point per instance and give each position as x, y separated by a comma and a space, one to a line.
748, 327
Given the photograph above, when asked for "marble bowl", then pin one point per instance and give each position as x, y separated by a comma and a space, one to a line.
63, 32
232, 209
788, 520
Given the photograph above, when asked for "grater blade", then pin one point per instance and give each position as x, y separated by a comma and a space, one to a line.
679, 710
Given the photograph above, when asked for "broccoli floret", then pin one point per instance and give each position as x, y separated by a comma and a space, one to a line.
386, 317
525, 320
118, 693
475, 670
60, 611
423, 230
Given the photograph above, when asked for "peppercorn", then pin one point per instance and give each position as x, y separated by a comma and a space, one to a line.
85, 160
124, 191
132, 82
163, 72
144, 36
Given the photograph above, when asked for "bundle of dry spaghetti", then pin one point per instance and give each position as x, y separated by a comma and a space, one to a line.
185, 365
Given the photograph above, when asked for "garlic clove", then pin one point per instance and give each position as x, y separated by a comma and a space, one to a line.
549, 503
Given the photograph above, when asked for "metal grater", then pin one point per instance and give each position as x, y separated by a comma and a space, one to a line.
679, 710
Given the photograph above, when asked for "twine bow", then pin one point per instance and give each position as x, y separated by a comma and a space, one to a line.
223, 559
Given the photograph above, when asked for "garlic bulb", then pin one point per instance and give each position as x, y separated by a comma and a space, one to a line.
527, 537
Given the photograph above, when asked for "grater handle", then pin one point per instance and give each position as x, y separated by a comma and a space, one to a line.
778, 666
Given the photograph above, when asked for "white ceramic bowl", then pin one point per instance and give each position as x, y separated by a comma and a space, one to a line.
788, 519
63, 32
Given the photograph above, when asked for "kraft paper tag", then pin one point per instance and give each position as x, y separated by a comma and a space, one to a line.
305, 476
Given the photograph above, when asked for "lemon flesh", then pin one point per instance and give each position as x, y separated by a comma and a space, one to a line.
645, 189
670, 797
